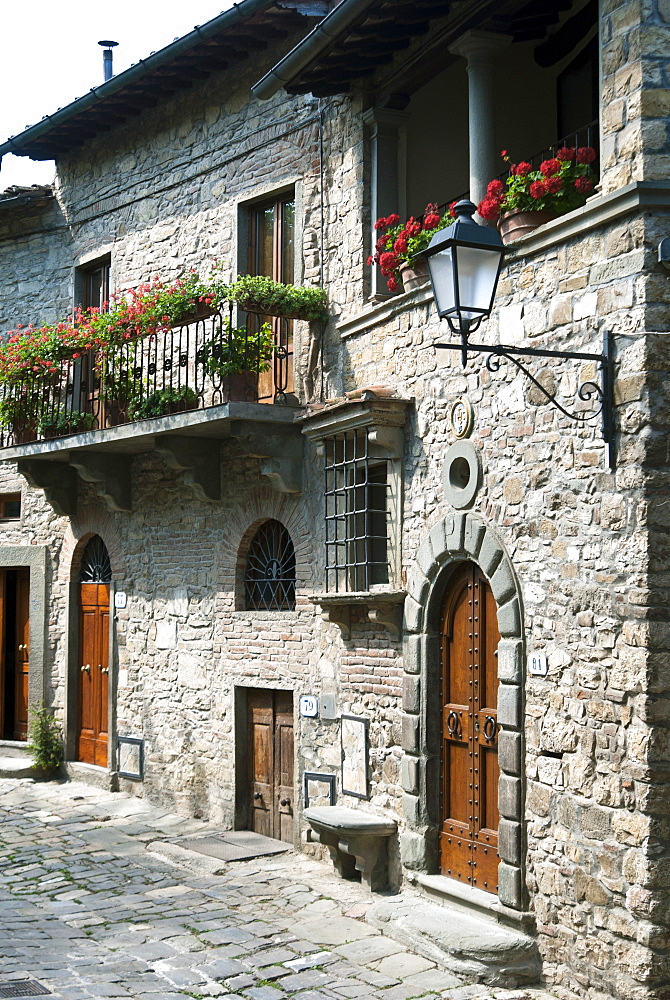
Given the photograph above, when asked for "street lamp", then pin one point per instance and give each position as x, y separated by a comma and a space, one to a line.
464, 262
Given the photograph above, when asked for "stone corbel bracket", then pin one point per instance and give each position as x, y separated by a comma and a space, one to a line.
382, 607
58, 481
198, 458
109, 472
278, 448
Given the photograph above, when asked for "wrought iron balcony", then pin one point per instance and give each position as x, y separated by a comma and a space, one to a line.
201, 364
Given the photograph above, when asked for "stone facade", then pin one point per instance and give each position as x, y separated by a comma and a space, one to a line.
575, 551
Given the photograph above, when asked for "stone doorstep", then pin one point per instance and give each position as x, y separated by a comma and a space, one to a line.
465, 944
90, 774
16, 766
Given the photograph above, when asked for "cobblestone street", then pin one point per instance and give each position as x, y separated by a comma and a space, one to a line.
90, 909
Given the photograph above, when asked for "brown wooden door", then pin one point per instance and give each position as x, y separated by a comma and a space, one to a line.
469, 758
270, 742
22, 654
93, 673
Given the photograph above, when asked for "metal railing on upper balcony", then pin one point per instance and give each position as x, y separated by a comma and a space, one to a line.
200, 364
587, 135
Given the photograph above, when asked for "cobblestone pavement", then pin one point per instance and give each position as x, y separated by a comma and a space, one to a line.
89, 909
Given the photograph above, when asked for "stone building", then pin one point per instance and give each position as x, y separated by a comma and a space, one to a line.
395, 494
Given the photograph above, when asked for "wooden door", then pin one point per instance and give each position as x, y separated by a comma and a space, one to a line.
22, 654
93, 673
469, 756
270, 742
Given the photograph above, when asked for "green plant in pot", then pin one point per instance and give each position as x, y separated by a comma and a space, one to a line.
233, 350
266, 297
61, 422
17, 412
46, 742
163, 401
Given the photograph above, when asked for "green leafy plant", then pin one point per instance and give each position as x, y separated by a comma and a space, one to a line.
259, 294
400, 242
46, 743
560, 184
232, 350
63, 421
163, 401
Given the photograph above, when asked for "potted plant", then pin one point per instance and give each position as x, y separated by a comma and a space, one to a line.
400, 245
529, 198
266, 297
17, 412
238, 355
61, 422
162, 402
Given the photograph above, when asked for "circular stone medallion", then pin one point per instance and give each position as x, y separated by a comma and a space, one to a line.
461, 418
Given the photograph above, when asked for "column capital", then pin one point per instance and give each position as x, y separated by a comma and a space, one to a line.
479, 44
386, 117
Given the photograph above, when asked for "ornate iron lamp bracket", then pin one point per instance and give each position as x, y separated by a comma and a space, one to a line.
601, 392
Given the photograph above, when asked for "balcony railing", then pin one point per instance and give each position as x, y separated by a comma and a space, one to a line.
588, 135
203, 363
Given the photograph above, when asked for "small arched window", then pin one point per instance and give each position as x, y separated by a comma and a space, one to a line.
269, 578
95, 564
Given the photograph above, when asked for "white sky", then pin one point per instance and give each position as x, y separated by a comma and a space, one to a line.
49, 56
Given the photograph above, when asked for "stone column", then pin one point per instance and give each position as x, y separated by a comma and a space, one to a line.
387, 188
480, 49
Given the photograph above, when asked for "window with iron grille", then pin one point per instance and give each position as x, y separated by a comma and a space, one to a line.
269, 579
357, 513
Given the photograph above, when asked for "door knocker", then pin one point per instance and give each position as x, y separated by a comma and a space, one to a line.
454, 725
490, 728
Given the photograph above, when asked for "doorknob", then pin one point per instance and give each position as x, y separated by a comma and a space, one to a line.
285, 802
22, 646
86, 668
103, 670
258, 795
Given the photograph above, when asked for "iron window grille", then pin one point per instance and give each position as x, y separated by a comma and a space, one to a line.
357, 514
95, 564
269, 579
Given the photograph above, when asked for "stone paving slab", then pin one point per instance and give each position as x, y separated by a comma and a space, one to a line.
90, 912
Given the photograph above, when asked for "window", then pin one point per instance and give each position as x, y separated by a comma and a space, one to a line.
93, 284
272, 253
269, 579
357, 514
10, 506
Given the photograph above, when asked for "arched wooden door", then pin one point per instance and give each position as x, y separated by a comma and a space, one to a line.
93, 660
469, 744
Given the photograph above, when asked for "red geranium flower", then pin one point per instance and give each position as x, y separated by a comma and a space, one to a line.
549, 167
431, 221
489, 209
452, 209
584, 185
400, 244
553, 184
586, 154
503, 153
381, 224
566, 153
521, 169
538, 190
495, 188
392, 285
392, 220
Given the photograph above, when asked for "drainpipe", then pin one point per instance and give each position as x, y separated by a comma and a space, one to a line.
480, 49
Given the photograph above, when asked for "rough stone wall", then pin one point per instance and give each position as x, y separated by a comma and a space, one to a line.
35, 264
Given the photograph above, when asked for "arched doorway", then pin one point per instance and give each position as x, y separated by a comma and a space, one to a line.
93, 704
468, 832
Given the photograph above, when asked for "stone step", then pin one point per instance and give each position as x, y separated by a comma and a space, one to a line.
477, 949
16, 765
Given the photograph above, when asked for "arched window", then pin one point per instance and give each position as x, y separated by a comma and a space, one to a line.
95, 564
269, 578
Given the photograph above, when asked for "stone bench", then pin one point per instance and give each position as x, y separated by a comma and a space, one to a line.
356, 841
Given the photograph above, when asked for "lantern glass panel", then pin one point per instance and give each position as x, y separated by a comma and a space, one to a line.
477, 276
441, 270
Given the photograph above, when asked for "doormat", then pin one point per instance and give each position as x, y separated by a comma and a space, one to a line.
23, 988
234, 845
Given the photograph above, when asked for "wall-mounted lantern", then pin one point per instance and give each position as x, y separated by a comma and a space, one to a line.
464, 261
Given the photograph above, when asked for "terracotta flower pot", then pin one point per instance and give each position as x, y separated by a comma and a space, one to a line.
243, 387
414, 275
513, 225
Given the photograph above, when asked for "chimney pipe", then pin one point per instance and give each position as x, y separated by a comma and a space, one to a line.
107, 56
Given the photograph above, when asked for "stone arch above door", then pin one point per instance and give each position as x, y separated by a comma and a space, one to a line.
453, 540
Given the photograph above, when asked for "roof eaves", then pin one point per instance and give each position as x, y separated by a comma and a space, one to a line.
318, 39
211, 28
